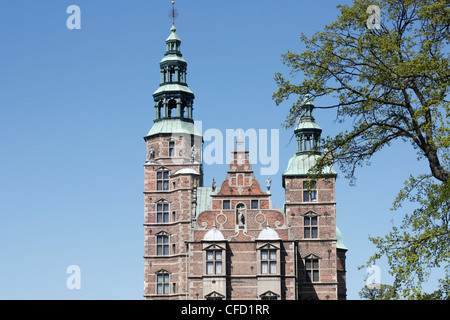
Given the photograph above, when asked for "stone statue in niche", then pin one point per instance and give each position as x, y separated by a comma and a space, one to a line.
241, 218
151, 154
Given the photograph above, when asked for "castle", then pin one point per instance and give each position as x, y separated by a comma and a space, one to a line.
227, 241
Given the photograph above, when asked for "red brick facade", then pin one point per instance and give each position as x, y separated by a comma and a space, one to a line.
248, 265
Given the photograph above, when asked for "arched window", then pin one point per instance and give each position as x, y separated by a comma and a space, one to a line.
171, 74
171, 107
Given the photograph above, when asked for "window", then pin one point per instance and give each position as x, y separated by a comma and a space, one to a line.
312, 270
162, 212
310, 227
171, 148
172, 105
255, 204
162, 245
269, 295
214, 262
214, 296
268, 261
309, 191
226, 204
162, 180
162, 283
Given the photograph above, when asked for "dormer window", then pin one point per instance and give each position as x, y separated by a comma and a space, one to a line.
214, 255
214, 261
268, 261
269, 295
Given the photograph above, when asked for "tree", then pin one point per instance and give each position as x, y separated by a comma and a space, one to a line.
392, 82
382, 292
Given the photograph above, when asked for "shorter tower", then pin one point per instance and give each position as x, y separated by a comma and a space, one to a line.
310, 208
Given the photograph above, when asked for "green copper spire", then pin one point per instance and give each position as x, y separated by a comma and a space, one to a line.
307, 131
173, 99
308, 152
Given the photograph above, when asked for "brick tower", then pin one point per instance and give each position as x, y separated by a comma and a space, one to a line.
172, 171
310, 209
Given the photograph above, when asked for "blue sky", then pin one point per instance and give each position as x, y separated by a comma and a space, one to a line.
75, 104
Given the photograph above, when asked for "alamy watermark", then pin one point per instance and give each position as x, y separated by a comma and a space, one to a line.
263, 146
373, 280
374, 20
74, 20
74, 280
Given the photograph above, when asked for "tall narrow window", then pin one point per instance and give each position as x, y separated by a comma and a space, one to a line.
226, 204
162, 180
268, 261
310, 227
309, 191
162, 283
171, 148
312, 270
162, 245
162, 212
214, 262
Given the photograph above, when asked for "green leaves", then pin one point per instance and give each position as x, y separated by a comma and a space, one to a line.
394, 80
421, 243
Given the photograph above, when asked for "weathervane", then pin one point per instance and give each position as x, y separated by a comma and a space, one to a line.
173, 13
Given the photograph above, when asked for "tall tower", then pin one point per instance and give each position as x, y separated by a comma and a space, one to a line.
173, 171
310, 208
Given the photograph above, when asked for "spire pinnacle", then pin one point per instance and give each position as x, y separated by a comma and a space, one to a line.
173, 14
239, 142
307, 130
